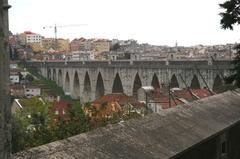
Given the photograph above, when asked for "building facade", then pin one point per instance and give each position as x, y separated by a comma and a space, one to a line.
29, 37
95, 45
50, 43
32, 91
14, 78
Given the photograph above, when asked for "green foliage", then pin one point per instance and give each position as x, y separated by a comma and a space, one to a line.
51, 85
78, 121
237, 66
115, 47
231, 16
29, 78
20, 76
34, 125
235, 78
29, 126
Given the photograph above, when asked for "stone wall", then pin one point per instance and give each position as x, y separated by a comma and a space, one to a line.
5, 134
195, 73
74, 74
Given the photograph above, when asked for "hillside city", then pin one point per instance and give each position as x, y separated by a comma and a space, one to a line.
31, 92
105, 95
35, 47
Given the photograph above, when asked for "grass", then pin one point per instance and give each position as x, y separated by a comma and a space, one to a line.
50, 86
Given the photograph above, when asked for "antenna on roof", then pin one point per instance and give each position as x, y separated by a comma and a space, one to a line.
189, 90
210, 91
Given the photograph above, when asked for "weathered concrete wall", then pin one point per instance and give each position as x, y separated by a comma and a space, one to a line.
225, 145
5, 134
190, 131
85, 73
206, 150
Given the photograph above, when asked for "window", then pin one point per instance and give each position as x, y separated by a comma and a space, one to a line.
223, 147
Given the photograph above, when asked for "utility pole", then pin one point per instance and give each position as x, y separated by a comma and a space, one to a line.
230, 51
5, 111
215, 62
56, 40
209, 90
169, 94
188, 89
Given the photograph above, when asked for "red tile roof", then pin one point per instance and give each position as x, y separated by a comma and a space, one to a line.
13, 62
198, 93
60, 106
28, 32
122, 99
162, 98
109, 104
17, 70
202, 93
185, 94
173, 103
17, 86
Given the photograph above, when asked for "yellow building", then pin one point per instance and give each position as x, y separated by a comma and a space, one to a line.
62, 44
100, 45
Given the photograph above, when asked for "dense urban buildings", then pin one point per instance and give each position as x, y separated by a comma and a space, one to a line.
29, 45
29, 37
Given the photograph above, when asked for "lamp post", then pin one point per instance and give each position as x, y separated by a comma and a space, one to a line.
169, 95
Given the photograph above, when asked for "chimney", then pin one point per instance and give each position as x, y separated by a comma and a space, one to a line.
58, 98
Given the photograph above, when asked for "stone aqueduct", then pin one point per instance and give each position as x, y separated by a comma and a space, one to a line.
87, 80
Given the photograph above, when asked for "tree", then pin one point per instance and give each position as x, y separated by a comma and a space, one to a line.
36, 47
34, 125
78, 121
230, 17
20, 76
30, 125
115, 47
29, 78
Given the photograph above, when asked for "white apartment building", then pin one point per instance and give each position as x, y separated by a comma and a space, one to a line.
82, 56
13, 65
34, 38
32, 91
14, 78
30, 37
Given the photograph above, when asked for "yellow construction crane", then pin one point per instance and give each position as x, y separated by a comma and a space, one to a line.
60, 26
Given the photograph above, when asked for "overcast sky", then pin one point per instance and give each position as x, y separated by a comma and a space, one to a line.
160, 22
